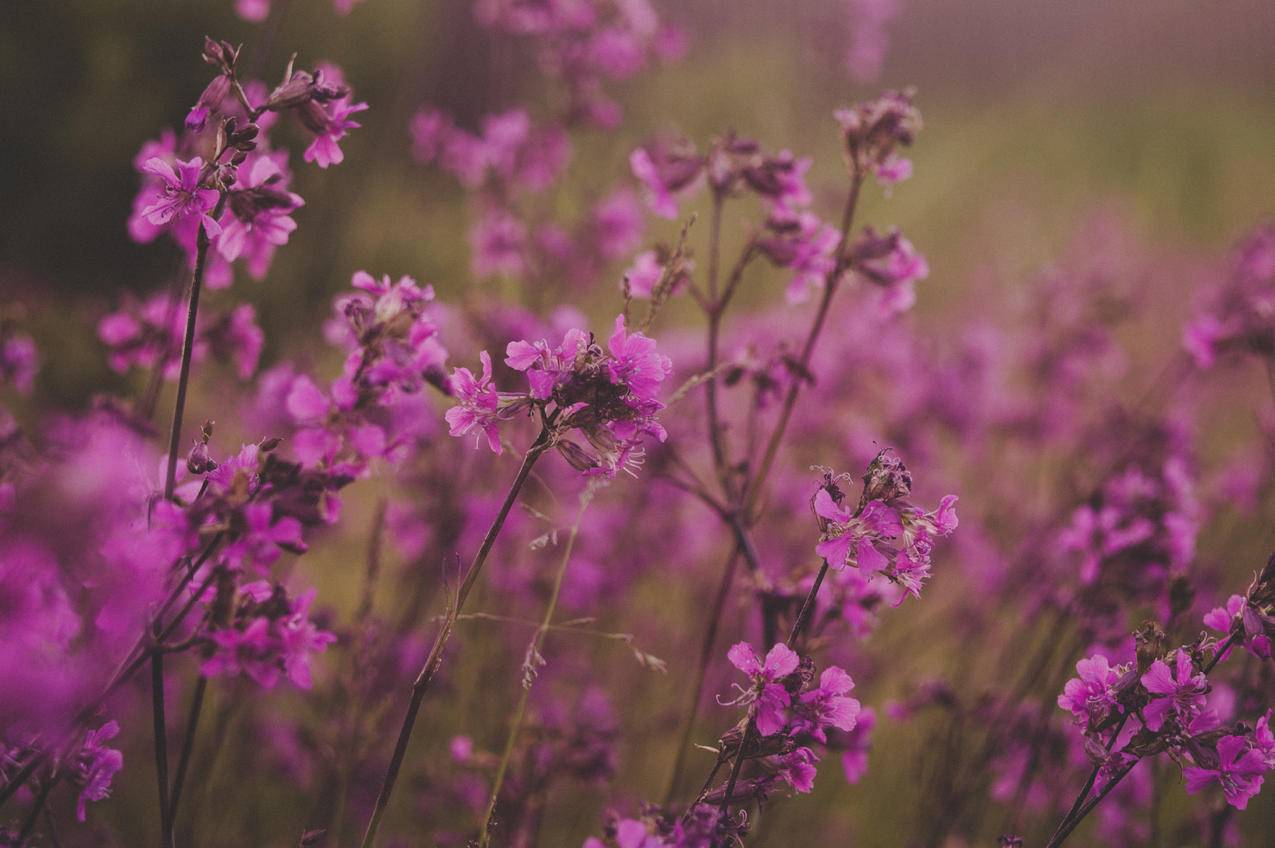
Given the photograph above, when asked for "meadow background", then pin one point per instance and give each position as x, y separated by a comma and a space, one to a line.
1155, 119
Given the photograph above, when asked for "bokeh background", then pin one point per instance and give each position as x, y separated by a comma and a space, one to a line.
1040, 117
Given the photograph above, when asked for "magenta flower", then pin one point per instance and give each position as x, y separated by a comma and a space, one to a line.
259, 219
644, 273
635, 363
797, 769
857, 745
263, 538
1180, 691
890, 262
830, 704
768, 699
1239, 611
330, 122
182, 195
499, 244
95, 766
1092, 696
546, 367
666, 170
476, 404
1239, 772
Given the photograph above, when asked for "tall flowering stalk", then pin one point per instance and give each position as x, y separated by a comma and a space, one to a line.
608, 396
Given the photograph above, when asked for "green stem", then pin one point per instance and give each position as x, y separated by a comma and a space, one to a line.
533, 650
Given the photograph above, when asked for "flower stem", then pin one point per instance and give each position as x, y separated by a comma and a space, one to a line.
188, 345
533, 650
161, 747
435, 659
808, 348
799, 625
701, 670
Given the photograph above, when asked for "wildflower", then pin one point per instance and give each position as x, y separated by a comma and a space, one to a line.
666, 169
830, 705
1092, 696
885, 535
95, 766
1177, 692
209, 101
643, 274
889, 261
259, 216
182, 195
797, 769
476, 404
768, 699
1239, 771
1250, 620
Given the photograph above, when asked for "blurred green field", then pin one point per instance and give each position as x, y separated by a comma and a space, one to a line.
1036, 117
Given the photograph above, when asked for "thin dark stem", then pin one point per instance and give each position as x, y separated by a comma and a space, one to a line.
188, 346
161, 747
807, 350
1066, 828
29, 824
750, 730
1080, 809
807, 607
435, 659
701, 671
188, 744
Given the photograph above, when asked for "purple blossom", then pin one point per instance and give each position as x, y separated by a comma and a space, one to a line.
1239, 771
1176, 692
95, 766
182, 195
1092, 696
477, 405
768, 699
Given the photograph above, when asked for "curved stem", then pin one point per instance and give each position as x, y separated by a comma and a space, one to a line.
533, 650
435, 658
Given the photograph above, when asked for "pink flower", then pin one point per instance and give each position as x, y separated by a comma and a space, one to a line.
330, 122
182, 196
1180, 689
644, 273
830, 704
768, 699
1092, 696
95, 766
1239, 772
635, 363
499, 243
259, 218
665, 171
476, 404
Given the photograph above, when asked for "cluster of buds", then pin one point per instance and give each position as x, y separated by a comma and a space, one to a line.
1249, 619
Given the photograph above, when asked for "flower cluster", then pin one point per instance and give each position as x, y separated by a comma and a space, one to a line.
609, 396
149, 335
271, 635
885, 534
1239, 317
